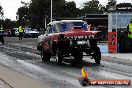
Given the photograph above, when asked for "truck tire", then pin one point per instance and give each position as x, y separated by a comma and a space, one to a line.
45, 56
59, 56
97, 55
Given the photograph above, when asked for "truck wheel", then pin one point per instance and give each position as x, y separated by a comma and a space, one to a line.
59, 56
45, 56
97, 55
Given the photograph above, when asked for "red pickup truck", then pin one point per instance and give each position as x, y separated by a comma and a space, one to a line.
69, 38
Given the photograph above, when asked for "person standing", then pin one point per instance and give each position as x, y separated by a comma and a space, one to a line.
2, 34
129, 30
20, 30
125, 39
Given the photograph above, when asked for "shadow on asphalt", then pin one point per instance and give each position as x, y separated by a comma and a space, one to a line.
68, 64
90, 64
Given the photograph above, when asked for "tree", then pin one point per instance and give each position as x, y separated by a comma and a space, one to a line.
59, 8
1, 12
14, 24
39, 9
22, 15
7, 24
93, 7
71, 10
111, 3
1, 15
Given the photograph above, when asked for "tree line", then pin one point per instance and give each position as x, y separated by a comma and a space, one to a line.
33, 14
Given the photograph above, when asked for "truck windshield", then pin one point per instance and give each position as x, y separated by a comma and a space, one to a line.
64, 26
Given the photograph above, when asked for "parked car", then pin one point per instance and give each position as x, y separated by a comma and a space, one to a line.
69, 38
28, 32
7, 34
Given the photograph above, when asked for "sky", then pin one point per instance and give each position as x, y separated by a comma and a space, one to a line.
10, 7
